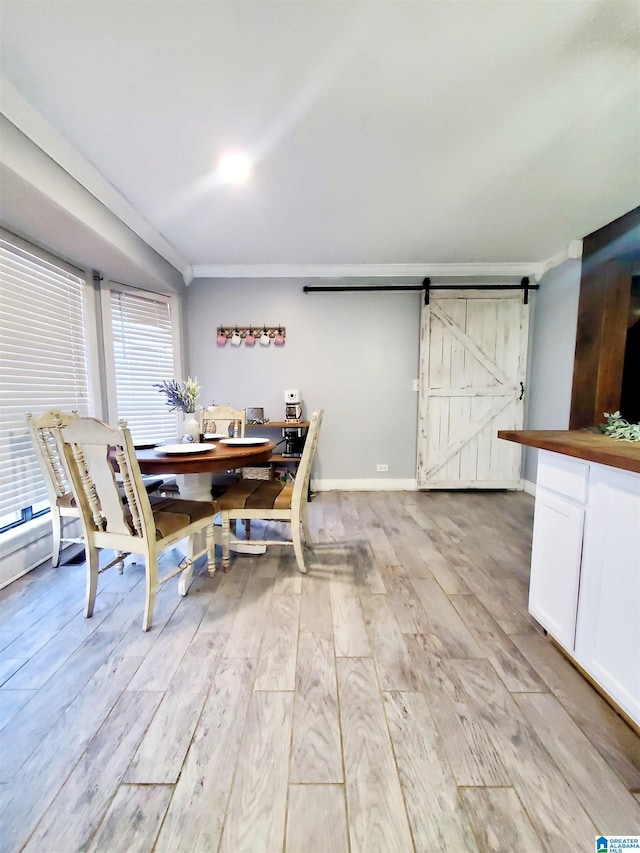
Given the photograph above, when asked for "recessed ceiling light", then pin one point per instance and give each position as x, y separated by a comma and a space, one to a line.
234, 167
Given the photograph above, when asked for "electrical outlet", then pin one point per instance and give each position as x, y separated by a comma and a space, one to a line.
416, 384
382, 467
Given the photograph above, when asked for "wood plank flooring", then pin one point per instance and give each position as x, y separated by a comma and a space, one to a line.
396, 698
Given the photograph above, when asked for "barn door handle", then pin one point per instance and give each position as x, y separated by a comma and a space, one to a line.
521, 391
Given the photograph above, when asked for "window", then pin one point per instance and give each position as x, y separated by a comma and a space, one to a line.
141, 327
43, 364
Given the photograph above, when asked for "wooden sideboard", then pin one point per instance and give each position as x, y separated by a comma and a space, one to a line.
277, 459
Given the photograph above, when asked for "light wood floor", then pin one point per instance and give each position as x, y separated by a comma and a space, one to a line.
396, 698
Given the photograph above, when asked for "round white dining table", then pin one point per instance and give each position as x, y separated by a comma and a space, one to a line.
193, 470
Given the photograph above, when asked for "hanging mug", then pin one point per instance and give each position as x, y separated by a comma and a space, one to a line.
278, 341
236, 338
250, 338
265, 340
221, 339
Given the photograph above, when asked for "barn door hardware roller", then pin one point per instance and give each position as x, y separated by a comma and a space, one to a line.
524, 286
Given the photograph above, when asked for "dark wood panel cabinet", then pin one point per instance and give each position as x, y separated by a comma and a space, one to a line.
609, 258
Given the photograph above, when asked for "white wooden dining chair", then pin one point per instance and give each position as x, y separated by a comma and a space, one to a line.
62, 502
274, 501
218, 419
89, 448
59, 493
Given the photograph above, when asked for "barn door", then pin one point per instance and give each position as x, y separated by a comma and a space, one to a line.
473, 349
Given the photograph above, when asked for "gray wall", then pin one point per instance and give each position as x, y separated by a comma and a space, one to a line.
353, 354
551, 353
356, 355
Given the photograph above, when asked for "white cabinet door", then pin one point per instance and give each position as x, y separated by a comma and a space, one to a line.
608, 630
555, 565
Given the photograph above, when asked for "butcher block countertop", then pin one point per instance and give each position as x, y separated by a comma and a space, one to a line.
592, 446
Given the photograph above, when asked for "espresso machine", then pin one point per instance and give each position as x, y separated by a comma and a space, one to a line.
293, 436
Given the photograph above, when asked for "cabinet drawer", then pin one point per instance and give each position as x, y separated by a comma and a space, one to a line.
563, 475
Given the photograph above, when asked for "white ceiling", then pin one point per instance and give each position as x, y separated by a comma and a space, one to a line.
383, 132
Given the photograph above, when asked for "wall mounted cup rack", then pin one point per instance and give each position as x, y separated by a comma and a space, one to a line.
273, 332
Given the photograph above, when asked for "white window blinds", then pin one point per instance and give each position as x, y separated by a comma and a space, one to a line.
43, 363
142, 332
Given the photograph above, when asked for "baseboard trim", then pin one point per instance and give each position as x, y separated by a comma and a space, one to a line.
391, 486
377, 485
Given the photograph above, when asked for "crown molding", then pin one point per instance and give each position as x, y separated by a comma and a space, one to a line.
572, 252
187, 275
525, 268
34, 126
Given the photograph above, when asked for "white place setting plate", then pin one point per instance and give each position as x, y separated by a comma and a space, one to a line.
245, 442
144, 445
214, 436
184, 449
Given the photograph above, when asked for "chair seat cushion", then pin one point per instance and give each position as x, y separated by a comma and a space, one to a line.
257, 494
221, 482
172, 514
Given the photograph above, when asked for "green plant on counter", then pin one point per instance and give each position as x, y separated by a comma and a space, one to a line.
617, 427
